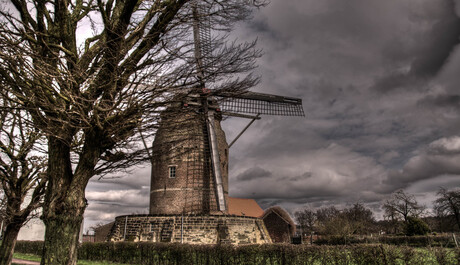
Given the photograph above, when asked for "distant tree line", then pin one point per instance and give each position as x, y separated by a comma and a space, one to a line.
356, 219
403, 215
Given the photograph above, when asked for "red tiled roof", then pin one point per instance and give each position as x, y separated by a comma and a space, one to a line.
244, 207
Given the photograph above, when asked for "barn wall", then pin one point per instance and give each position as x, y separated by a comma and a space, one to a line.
277, 228
101, 233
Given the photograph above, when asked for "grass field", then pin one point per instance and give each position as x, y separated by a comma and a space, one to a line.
80, 262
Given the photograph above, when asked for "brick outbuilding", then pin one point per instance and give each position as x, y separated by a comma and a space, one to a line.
279, 224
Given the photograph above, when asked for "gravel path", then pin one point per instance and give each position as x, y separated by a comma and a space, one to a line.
25, 262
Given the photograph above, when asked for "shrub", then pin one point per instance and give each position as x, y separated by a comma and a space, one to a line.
415, 226
29, 247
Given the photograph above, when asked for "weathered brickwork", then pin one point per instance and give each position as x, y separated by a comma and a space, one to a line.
191, 229
181, 142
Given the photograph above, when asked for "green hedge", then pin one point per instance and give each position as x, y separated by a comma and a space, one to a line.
268, 254
29, 247
412, 241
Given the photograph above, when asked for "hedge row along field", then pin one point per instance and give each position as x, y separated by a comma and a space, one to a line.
163, 253
413, 241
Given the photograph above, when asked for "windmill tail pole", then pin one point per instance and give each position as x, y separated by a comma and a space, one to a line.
245, 128
216, 162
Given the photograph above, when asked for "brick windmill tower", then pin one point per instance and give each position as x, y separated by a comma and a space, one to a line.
189, 180
186, 177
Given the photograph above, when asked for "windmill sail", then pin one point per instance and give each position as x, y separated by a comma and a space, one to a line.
201, 39
260, 103
230, 103
203, 51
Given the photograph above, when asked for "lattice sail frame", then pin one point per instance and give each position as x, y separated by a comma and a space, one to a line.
202, 38
247, 102
260, 103
203, 54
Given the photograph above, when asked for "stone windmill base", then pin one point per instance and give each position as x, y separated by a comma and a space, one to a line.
191, 229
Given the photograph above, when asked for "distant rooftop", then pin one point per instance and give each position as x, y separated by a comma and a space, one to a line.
244, 207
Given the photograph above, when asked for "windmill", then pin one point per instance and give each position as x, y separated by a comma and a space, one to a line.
190, 173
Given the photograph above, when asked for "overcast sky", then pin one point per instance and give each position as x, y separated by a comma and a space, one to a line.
378, 80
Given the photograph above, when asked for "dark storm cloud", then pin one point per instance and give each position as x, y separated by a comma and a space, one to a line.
428, 185
253, 173
444, 36
426, 54
440, 158
123, 180
398, 80
324, 174
339, 57
104, 206
118, 194
102, 213
441, 102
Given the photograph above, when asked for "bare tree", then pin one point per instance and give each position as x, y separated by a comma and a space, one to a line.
96, 96
306, 218
326, 213
441, 220
21, 174
325, 220
448, 204
392, 220
356, 219
362, 219
401, 205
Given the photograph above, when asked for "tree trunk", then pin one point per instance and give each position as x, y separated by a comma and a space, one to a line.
8, 243
457, 218
65, 200
61, 239
63, 222
63, 207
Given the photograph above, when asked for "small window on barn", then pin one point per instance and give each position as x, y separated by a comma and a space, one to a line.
172, 171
